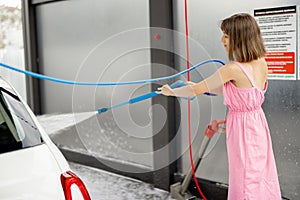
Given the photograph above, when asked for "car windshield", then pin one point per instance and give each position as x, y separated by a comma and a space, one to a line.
17, 129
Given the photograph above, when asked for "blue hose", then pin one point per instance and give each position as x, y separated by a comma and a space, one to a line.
48, 78
131, 101
143, 97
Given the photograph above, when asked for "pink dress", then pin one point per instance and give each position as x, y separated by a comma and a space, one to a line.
252, 168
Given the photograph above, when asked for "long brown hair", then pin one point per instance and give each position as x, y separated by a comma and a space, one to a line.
245, 40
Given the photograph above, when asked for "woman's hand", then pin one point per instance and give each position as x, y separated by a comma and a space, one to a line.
185, 91
165, 90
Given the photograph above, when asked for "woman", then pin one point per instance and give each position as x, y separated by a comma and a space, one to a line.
252, 168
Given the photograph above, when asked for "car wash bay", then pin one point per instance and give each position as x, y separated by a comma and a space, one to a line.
90, 40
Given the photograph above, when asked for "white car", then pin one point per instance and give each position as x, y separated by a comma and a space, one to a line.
31, 166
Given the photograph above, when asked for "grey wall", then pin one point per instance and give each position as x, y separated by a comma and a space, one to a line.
86, 40
99, 41
281, 105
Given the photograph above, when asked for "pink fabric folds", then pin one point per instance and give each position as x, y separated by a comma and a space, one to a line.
252, 168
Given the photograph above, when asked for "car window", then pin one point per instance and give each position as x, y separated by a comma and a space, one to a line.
17, 129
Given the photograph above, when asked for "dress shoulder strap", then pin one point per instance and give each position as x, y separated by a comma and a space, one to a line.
246, 72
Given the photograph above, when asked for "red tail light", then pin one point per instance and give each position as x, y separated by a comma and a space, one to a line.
67, 180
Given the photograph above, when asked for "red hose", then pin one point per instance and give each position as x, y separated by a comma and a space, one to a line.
189, 102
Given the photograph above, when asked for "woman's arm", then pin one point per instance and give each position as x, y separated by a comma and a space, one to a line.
211, 84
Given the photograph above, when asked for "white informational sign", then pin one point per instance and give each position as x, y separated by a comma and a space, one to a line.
279, 31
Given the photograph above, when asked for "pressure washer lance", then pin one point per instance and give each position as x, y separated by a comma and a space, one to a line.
178, 190
176, 84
